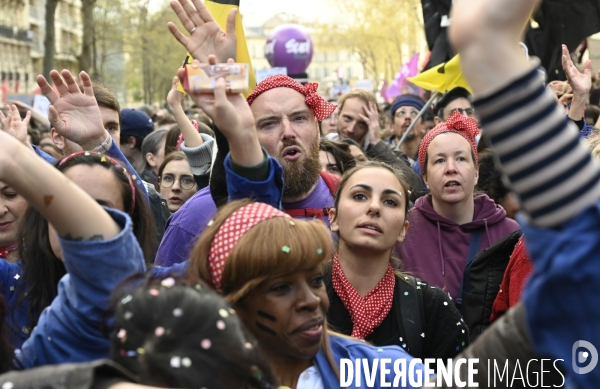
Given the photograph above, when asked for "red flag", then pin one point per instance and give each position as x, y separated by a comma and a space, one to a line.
17, 85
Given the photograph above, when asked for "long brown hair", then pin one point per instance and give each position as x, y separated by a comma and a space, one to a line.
257, 255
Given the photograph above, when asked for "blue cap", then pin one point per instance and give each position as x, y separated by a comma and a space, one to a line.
407, 101
135, 123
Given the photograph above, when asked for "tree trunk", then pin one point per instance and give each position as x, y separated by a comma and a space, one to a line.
50, 39
87, 44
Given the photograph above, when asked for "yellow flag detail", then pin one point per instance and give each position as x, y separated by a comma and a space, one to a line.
442, 78
219, 11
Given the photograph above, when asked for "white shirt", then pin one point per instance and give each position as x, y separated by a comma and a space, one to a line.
310, 379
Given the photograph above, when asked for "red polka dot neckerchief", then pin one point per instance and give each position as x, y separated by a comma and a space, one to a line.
5, 251
369, 312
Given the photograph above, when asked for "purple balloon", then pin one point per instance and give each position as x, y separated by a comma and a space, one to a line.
289, 46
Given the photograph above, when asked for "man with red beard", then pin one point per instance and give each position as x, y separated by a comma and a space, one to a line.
286, 116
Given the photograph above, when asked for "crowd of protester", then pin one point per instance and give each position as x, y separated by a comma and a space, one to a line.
224, 241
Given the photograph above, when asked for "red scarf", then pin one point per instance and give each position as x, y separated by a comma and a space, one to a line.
4, 251
367, 313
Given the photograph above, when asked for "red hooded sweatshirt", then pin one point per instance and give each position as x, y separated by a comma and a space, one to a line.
435, 249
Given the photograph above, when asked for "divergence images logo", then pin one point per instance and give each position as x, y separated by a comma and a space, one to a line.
581, 353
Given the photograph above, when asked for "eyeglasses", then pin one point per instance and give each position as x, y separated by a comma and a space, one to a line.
463, 111
186, 182
413, 113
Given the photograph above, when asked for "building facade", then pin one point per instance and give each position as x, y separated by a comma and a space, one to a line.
22, 33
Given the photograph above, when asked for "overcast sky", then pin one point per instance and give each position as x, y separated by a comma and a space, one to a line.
255, 12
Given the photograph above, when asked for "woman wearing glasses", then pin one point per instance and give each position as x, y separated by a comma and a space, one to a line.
176, 180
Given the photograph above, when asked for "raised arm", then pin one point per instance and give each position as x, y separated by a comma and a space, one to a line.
489, 66
61, 202
14, 125
232, 115
190, 135
551, 171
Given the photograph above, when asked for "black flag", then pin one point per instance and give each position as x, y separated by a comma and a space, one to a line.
434, 12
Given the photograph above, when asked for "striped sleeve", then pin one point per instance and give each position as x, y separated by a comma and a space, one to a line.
543, 161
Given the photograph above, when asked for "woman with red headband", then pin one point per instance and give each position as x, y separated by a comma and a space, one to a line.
30, 285
452, 223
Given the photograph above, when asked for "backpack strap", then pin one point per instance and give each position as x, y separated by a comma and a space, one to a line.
332, 183
473, 249
411, 316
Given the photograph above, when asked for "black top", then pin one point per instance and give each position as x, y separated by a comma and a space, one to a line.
445, 334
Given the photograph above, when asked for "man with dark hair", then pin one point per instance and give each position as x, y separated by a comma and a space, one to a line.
135, 126
457, 99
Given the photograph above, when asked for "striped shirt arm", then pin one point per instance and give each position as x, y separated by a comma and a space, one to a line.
538, 148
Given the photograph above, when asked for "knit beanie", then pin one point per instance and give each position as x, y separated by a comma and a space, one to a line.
407, 101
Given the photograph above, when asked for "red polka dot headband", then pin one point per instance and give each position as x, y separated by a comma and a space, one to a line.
320, 107
232, 230
457, 123
116, 165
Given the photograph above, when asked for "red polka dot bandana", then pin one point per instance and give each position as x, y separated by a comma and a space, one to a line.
369, 312
232, 230
457, 123
320, 107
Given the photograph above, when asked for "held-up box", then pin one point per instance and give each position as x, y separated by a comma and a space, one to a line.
203, 78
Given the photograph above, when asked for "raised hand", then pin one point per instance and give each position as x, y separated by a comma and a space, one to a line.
73, 114
488, 66
175, 97
232, 115
371, 117
13, 124
581, 83
190, 135
206, 36
230, 112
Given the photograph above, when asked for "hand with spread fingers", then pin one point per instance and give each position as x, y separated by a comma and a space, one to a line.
232, 116
581, 84
73, 114
14, 125
206, 36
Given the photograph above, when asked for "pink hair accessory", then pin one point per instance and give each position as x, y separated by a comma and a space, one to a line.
116, 163
232, 230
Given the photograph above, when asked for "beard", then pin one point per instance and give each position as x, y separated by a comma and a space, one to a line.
300, 176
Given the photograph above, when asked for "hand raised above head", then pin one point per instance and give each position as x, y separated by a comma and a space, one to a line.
229, 111
581, 83
175, 97
232, 115
206, 36
13, 124
73, 114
